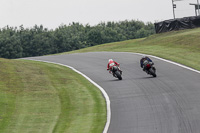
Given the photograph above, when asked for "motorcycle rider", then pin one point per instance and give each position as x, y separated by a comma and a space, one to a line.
112, 63
145, 58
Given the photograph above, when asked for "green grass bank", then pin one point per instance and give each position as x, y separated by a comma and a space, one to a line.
39, 97
180, 46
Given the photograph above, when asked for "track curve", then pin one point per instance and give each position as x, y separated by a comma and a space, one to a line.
169, 103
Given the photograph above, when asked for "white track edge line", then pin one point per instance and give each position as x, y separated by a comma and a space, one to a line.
98, 86
178, 64
183, 66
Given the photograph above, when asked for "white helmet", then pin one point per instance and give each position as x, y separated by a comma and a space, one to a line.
110, 60
144, 56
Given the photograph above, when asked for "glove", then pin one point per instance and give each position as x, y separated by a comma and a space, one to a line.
151, 63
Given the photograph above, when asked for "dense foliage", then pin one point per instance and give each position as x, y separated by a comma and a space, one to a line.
37, 41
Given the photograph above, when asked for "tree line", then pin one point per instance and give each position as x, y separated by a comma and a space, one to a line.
18, 42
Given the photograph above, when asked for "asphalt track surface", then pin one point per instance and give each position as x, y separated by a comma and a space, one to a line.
169, 103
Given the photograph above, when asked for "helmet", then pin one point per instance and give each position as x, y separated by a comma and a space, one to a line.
144, 56
110, 60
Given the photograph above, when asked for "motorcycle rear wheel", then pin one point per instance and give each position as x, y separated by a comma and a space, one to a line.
118, 75
152, 72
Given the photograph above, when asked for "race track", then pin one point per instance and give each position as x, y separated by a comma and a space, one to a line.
169, 103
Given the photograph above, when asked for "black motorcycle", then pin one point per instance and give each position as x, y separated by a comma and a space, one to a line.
149, 68
117, 73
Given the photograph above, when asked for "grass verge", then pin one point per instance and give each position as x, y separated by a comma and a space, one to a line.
39, 97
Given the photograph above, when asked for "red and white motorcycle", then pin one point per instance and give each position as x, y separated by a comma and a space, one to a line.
117, 73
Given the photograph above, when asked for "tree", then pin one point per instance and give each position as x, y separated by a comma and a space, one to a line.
36, 41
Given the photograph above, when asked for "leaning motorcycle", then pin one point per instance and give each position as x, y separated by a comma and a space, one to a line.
149, 68
117, 73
